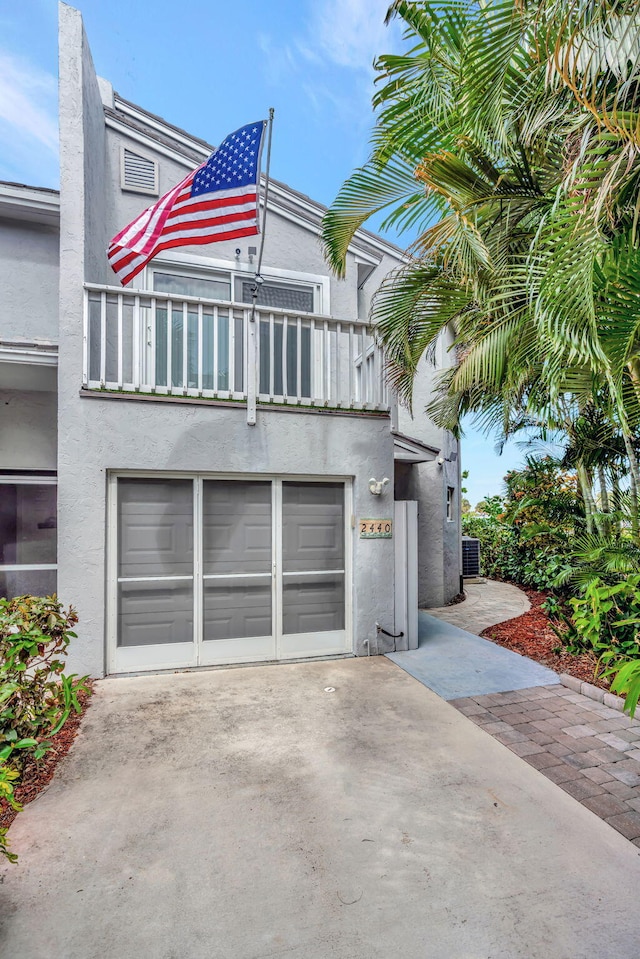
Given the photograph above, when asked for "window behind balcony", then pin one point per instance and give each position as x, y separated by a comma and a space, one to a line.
285, 366
213, 287
221, 335
291, 297
279, 366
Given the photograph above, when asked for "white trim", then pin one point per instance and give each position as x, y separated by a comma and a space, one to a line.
166, 656
30, 355
26, 567
29, 204
303, 645
314, 572
266, 575
276, 558
203, 652
198, 584
11, 479
249, 649
349, 536
143, 117
450, 504
151, 143
245, 270
152, 579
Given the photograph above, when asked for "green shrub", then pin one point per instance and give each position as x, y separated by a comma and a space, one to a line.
505, 553
36, 697
605, 618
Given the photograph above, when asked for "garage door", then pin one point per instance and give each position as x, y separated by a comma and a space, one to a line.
212, 571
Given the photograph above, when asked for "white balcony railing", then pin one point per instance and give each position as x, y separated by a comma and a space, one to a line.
142, 342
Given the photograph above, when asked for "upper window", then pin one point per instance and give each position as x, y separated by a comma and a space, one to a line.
282, 296
211, 286
138, 173
222, 280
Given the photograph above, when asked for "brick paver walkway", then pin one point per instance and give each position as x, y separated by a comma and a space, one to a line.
586, 748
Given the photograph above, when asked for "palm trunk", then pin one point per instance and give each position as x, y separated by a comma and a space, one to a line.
634, 483
604, 500
633, 366
587, 498
616, 498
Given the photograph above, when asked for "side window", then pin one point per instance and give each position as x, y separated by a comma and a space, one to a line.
28, 535
450, 503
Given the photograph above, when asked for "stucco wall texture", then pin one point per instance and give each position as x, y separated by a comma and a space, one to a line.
28, 430
29, 281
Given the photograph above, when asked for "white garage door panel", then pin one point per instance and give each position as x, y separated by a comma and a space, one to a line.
299, 645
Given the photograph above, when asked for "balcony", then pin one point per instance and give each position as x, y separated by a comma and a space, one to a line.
141, 342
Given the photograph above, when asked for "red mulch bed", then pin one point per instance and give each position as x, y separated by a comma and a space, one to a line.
531, 635
38, 773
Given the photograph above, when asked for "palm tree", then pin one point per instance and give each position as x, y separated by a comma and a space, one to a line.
489, 124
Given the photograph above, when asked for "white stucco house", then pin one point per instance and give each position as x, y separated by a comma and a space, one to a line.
198, 485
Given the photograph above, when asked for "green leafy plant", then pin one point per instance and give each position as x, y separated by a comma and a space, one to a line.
36, 696
606, 618
627, 682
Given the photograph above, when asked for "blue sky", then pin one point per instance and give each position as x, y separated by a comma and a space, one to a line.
210, 67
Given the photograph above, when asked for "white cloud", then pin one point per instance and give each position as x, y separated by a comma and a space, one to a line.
28, 104
350, 33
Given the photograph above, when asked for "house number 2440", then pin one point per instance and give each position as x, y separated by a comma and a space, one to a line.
376, 528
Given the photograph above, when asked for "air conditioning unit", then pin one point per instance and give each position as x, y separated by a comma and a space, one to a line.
470, 556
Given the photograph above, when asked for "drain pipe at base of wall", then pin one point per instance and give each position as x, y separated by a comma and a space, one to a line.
385, 632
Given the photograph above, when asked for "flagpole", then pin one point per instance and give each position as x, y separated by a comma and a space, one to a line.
266, 198
257, 283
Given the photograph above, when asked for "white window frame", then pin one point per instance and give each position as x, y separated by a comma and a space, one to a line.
29, 479
182, 261
137, 663
451, 499
180, 269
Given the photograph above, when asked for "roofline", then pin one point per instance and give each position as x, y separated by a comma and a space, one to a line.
412, 441
309, 210
34, 204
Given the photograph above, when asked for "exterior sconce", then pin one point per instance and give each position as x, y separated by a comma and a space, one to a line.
377, 486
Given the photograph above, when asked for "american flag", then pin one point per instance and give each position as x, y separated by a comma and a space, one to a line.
218, 201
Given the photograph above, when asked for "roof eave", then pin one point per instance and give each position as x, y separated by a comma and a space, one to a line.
18, 201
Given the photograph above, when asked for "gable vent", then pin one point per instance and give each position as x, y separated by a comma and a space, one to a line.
138, 173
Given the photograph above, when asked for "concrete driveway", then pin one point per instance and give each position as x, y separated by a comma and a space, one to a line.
249, 813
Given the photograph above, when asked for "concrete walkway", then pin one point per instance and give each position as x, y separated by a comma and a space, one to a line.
486, 604
455, 663
249, 813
